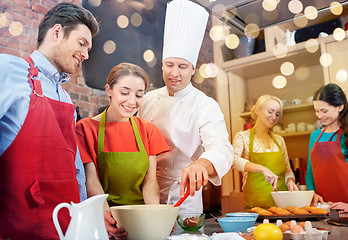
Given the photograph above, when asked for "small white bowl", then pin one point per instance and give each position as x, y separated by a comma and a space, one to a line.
298, 199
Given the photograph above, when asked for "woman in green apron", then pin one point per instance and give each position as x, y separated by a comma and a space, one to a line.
118, 149
262, 156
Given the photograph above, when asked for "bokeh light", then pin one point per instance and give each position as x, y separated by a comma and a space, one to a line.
94, 3
270, 16
152, 63
211, 70
341, 75
148, 4
232, 41
197, 77
16, 28
251, 31
302, 73
336, 8
295, 6
311, 12
109, 47
339, 34
279, 82
219, 11
136, 19
252, 18
3, 21
312, 45
280, 50
217, 33
325, 59
269, 5
202, 70
300, 20
122, 21
148, 55
287, 68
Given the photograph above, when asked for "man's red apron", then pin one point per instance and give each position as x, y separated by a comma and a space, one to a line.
37, 171
330, 169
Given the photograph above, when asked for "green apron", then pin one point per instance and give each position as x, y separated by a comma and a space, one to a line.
122, 173
257, 191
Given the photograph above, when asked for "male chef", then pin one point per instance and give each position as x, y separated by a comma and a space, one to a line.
191, 122
38, 151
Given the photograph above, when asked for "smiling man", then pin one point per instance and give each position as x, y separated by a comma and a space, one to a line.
40, 166
191, 122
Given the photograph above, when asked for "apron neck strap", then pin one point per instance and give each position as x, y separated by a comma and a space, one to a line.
339, 134
33, 72
101, 133
251, 140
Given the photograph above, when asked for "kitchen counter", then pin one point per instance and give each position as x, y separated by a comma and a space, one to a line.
210, 226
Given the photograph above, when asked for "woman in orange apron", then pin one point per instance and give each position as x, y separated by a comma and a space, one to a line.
262, 155
118, 149
327, 168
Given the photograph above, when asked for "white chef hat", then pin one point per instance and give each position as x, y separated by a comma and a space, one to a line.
184, 30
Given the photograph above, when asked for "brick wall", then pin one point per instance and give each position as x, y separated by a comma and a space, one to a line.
29, 14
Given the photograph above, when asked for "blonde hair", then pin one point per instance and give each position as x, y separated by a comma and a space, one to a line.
260, 103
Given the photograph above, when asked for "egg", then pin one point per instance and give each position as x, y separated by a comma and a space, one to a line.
302, 224
296, 229
284, 227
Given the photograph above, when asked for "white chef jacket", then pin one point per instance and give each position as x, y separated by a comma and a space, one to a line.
194, 127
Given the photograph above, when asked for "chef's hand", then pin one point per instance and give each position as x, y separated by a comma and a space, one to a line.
196, 175
113, 231
270, 177
339, 205
316, 198
291, 185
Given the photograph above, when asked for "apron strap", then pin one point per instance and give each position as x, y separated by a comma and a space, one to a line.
251, 141
137, 135
339, 134
33, 72
101, 133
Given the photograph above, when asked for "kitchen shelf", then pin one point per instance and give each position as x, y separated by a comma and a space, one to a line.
265, 63
287, 109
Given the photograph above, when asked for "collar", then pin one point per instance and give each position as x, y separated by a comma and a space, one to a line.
46, 68
181, 93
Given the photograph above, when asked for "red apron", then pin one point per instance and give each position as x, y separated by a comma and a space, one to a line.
37, 171
330, 169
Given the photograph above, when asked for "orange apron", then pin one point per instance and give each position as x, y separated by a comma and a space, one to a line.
37, 171
330, 169
257, 191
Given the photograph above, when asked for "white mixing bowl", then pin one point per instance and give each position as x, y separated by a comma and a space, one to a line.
146, 222
298, 199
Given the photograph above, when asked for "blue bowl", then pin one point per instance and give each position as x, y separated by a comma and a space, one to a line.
236, 224
243, 214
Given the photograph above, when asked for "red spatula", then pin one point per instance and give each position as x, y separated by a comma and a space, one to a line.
187, 193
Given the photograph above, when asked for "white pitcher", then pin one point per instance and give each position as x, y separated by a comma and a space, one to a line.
87, 219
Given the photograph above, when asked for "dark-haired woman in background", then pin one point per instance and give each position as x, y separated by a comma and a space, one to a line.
327, 168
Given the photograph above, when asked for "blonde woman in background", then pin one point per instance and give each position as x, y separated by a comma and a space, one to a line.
262, 155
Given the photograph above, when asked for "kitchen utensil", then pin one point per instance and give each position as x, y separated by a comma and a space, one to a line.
146, 222
187, 193
298, 199
87, 220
